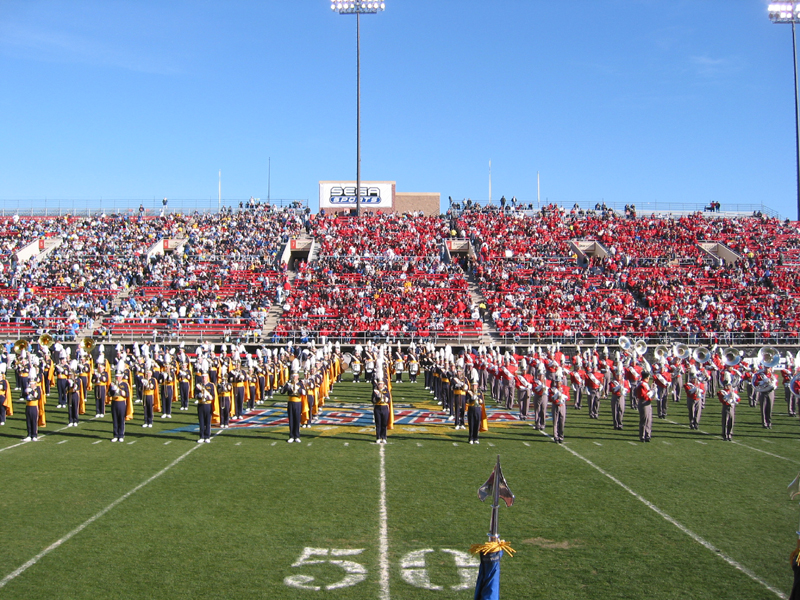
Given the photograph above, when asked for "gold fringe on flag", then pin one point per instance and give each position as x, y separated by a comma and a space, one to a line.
492, 547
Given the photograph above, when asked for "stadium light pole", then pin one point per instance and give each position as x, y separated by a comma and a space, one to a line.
358, 8
789, 12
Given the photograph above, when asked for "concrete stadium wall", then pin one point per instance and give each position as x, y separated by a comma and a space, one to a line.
408, 202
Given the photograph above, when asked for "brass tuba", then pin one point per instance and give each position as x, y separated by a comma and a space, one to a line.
681, 351
769, 357
640, 347
21, 346
702, 355
45, 340
87, 344
660, 352
625, 343
731, 357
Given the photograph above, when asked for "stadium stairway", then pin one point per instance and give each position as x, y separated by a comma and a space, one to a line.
489, 334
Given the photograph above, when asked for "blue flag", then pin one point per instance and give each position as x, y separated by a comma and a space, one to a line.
488, 584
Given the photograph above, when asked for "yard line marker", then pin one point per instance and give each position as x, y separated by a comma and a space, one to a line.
767, 441
633, 443
526, 443
597, 444
19, 571
667, 443
683, 528
97, 442
756, 449
169, 442
23, 443
62, 442
764, 452
699, 442
133, 442
384, 531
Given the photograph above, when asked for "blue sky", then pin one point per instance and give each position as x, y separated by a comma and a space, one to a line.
621, 100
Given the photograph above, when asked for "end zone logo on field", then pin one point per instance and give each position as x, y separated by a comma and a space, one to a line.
347, 195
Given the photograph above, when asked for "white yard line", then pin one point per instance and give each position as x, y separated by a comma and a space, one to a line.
23, 443
19, 571
680, 526
384, 532
745, 445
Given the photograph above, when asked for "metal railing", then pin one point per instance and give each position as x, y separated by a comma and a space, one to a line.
59, 207
643, 208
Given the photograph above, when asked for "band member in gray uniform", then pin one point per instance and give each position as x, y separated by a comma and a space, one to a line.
558, 402
695, 392
540, 399
644, 396
729, 398
620, 388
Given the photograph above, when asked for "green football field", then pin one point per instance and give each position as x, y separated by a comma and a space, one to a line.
250, 516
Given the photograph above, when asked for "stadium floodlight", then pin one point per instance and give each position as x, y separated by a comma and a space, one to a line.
357, 8
789, 12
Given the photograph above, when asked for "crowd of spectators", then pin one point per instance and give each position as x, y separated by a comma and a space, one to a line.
387, 275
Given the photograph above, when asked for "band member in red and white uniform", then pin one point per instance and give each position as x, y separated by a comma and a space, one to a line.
524, 383
633, 373
558, 396
764, 383
663, 381
645, 394
577, 378
620, 388
695, 393
787, 373
594, 387
729, 398
540, 394
676, 372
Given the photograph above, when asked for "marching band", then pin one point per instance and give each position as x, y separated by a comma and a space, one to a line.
540, 382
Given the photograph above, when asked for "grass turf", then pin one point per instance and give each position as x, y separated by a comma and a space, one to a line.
232, 517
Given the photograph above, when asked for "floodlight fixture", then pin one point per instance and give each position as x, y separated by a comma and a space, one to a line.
358, 8
789, 12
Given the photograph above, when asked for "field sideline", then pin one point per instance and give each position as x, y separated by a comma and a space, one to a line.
603, 516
